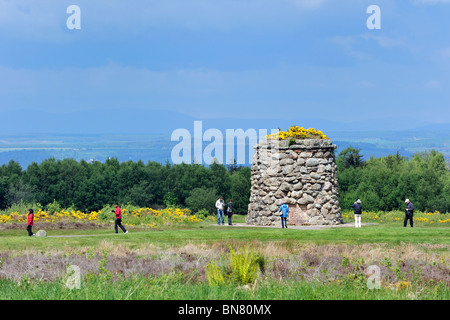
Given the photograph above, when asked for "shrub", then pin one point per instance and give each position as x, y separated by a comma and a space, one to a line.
244, 265
202, 214
22, 208
202, 198
214, 274
53, 207
242, 268
170, 200
107, 212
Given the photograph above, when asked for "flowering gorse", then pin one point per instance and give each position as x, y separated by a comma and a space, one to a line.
394, 216
137, 216
296, 132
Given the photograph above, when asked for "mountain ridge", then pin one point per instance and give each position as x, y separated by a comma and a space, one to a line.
140, 121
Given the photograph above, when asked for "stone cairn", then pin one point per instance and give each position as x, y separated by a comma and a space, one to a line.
299, 172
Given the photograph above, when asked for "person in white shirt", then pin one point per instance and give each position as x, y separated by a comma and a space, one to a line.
220, 205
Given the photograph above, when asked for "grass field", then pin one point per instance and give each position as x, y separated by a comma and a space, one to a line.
199, 260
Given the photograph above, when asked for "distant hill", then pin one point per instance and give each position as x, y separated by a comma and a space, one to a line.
91, 122
139, 121
439, 127
28, 136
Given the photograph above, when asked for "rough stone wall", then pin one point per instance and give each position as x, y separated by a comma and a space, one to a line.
302, 174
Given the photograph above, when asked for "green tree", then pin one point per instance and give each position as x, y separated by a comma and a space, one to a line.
19, 192
220, 179
170, 200
202, 198
3, 192
350, 157
240, 189
140, 195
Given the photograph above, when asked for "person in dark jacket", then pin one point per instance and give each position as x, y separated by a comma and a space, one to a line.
30, 222
230, 211
357, 209
409, 211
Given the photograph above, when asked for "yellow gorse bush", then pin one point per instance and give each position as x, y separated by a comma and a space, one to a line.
296, 132
139, 216
4, 218
421, 217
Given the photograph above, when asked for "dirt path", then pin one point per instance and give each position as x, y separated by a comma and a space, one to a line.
315, 227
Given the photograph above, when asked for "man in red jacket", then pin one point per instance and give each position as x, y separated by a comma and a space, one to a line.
118, 221
30, 222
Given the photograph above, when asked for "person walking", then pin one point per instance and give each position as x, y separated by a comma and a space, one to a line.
357, 209
220, 205
230, 211
118, 221
30, 222
409, 212
284, 208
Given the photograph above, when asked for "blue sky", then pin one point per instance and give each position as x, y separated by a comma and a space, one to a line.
284, 59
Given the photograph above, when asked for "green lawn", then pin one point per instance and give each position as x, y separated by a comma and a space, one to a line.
406, 254
18, 240
208, 232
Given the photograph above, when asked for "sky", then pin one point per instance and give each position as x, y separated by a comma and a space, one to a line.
210, 59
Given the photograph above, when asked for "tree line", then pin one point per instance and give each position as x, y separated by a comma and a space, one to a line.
90, 186
381, 183
384, 183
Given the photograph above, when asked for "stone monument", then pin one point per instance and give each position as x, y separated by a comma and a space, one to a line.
300, 172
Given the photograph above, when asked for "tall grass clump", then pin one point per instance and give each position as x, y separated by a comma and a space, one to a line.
242, 268
213, 274
244, 265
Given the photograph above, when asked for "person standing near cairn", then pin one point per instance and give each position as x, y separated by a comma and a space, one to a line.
118, 221
357, 209
230, 211
284, 208
30, 222
409, 212
220, 205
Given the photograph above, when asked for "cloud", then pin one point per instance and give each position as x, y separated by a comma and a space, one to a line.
31, 19
296, 89
444, 52
360, 47
430, 2
293, 55
47, 20
309, 4
383, 41
345, 40
365, 84
433, 84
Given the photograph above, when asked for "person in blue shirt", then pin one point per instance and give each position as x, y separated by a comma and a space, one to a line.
284, 209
